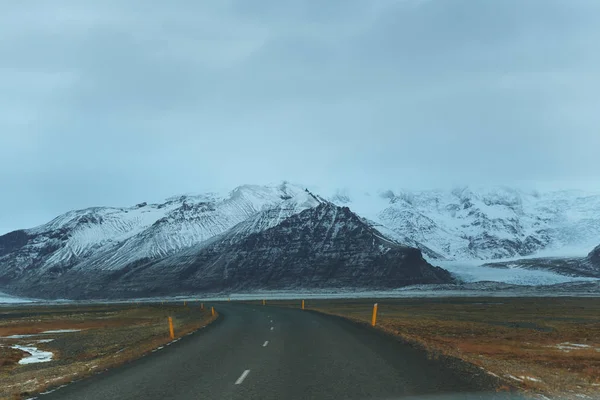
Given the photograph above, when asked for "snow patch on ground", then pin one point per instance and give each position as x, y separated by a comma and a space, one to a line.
514, 378
41, 333
17, 336
530, 378
36, 355
523, 378
567, 347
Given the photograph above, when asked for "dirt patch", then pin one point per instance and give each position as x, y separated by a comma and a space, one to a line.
90, 339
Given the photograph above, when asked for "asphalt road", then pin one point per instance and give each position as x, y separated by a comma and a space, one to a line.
264, 352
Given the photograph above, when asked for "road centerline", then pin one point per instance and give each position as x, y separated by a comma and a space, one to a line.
266, 343
242, 377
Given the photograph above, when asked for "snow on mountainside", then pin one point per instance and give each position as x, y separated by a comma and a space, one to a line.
468, 224
109, 238
168, 236
447, 226
576, 267
322, 246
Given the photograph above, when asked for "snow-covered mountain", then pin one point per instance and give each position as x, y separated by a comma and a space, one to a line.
485, 224
110, 238
462, 224
301, 243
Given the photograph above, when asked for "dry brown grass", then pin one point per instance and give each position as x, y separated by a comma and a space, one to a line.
110, 335
507, 337
9, 356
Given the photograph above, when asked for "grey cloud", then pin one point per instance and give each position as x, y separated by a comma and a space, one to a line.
115, 102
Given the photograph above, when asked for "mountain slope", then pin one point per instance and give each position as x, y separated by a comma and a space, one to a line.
594, 257
580, 267
484, 224
110, 238
321, 247
326, 246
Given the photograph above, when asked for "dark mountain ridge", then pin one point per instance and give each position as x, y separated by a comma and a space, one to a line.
321, 247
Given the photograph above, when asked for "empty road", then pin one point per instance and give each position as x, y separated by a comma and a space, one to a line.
264, 352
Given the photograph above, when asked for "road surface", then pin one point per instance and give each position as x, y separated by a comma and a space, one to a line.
265, 352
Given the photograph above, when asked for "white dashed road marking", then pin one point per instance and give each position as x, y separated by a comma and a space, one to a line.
242, 377
266, 343
272, 328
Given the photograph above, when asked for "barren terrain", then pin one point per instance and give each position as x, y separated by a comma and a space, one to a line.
82, 340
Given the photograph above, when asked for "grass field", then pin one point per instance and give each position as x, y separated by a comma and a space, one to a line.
547, 346
101, 336
541, 345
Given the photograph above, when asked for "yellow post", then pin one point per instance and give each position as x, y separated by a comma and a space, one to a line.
184, 303
374, 318
202, 306
303, 304
212, 311
171, 331
264, 302
229, 299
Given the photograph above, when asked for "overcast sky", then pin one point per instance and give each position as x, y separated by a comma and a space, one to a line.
115, 102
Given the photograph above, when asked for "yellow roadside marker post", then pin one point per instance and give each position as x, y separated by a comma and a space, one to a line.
264, 302
303, 304
374, 317
171, 331
184, 303
212, 311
